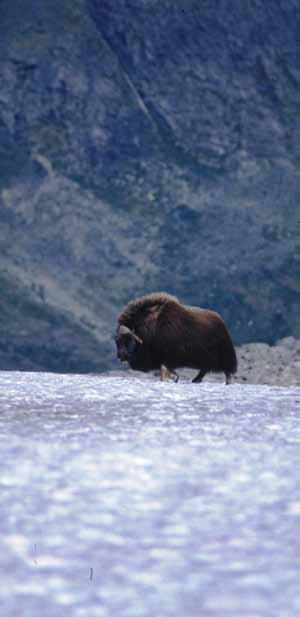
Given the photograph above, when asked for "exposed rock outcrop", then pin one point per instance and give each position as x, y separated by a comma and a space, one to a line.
145, 146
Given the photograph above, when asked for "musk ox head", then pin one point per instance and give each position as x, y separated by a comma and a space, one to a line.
127, 343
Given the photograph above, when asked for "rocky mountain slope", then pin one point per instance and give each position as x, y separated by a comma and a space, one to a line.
145, 145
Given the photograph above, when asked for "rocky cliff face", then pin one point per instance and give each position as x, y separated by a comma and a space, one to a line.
145, 145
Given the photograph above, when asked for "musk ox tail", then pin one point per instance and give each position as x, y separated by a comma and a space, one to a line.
228, 357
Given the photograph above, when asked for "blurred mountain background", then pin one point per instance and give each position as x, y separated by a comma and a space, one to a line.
145, 145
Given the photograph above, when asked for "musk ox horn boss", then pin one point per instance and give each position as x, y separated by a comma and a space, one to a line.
158, 332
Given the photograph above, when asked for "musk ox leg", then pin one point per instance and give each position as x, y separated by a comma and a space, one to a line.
228, 379
166, 374
174, 376
200, 376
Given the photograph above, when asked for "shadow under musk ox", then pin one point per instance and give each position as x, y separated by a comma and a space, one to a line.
158, 332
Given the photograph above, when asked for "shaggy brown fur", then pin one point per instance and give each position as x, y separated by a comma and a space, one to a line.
157, 331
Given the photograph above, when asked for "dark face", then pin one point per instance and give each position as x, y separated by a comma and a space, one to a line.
127, 345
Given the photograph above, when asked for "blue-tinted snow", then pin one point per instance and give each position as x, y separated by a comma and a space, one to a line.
124, 497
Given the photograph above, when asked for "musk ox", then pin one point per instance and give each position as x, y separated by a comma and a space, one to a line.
158, 332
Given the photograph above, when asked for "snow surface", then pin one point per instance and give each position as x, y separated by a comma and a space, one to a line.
124, 497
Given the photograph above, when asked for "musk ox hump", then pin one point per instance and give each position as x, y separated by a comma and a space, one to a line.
137, 309
141, 315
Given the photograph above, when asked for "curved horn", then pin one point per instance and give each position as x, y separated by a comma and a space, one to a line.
137, 338
124, 330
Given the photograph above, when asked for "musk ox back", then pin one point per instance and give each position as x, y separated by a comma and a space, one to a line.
158, 332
